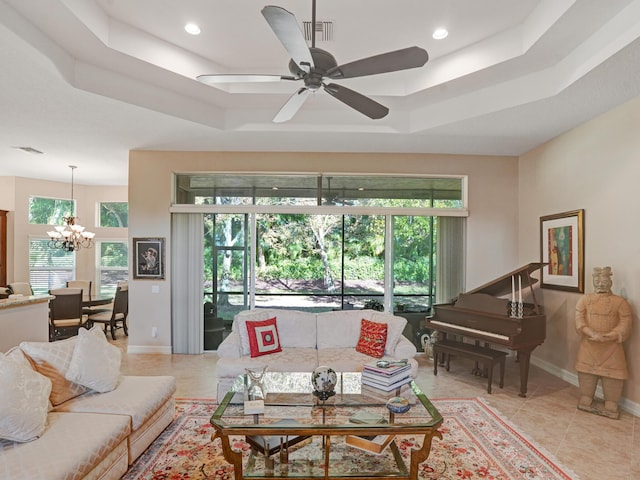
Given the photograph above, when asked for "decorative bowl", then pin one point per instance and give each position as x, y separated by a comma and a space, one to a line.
398, 405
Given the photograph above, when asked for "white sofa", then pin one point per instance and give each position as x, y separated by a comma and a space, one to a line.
87, 434
309, 340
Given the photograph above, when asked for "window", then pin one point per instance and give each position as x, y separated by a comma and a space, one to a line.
321, 190
114, 214
49, 268
113, 265
320, 242
49, 211
319, 262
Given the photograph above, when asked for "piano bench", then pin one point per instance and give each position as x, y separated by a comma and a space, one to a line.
486, 355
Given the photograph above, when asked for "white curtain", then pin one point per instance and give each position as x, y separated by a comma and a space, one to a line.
450, 258
187, 253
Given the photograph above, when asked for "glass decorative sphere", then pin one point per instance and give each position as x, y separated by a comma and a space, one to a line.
324, 380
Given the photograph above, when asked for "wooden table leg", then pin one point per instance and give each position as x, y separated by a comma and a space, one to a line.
420, 455
231, 456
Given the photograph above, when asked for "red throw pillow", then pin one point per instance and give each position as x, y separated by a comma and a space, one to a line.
373, 338
263, 337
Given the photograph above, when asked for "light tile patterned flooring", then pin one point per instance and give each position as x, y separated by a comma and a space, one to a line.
593, 447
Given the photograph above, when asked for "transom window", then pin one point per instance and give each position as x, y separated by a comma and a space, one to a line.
50, 211
114, 214
320, 190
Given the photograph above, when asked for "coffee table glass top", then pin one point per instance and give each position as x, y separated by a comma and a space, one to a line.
290, 395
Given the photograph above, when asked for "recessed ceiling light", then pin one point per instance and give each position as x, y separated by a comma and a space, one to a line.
192, 28
440, 33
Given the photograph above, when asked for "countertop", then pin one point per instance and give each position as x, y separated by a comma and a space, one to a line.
26, 300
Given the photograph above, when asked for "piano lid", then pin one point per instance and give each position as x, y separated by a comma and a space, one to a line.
502, 286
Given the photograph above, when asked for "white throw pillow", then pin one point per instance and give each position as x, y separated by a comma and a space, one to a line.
52, 360
95, 363
24, 400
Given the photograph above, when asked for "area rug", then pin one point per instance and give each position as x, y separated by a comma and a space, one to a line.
476, 444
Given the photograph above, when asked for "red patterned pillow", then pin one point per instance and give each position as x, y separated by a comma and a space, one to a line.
373, 338
263, 337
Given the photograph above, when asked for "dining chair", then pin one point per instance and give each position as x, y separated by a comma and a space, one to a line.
85, 285
65, 313
118, 314
21, 288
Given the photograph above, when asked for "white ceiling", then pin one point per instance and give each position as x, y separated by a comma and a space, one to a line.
86, 81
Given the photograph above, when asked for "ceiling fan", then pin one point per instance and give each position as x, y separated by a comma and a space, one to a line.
313, 65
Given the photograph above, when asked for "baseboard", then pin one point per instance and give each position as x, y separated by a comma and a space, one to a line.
164, 349
570, 377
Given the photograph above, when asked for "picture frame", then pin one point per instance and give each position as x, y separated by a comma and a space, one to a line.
562, 251
148, 258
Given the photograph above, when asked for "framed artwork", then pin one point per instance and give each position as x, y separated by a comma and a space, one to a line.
148, 258
562, 250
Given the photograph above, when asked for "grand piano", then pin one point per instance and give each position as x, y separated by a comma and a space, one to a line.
481, 315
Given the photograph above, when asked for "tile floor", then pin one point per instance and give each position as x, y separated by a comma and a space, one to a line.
593, 447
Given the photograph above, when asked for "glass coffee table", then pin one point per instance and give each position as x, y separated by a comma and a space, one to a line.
297, 435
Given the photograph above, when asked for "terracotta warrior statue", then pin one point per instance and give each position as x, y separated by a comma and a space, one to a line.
603, 321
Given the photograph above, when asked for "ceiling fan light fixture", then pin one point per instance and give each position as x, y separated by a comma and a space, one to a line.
192, 29
440, 33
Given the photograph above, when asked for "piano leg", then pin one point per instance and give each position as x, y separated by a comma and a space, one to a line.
524, 357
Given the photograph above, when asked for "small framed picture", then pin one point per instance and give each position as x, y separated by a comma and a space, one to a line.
148, 258
562, 249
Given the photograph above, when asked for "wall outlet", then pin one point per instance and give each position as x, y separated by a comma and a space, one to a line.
154, 332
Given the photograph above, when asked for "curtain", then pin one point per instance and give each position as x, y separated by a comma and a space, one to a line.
450, 258
187, 253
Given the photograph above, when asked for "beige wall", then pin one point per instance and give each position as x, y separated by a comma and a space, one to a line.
596, 168
492, 224
20, 231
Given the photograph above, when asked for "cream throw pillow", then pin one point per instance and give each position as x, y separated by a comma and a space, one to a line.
95, 363
52, 360
24, 400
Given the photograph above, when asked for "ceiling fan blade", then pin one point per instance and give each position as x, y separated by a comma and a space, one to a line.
215, 79
294, 103
404, 59
285, 26
357, 101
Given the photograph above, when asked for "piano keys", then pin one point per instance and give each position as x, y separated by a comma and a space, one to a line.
482, 315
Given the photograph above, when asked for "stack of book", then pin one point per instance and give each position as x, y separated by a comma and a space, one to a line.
388, 378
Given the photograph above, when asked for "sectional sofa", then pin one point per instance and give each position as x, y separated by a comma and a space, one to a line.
67, 413
308, 340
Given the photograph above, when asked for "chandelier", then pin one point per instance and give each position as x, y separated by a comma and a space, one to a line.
70, 236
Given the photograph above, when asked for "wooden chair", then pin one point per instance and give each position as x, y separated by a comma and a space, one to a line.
65, 313
21, 288
85, 285
118, 314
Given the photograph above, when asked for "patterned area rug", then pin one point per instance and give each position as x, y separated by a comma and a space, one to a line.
476, 444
